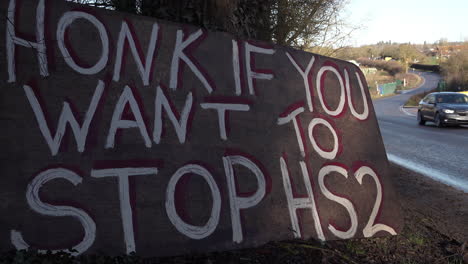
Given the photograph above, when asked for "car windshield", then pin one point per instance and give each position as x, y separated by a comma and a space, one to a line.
452, 99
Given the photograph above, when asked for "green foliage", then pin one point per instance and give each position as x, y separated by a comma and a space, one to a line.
33, 257
430, 60
416, 239
389, 51
24, 256
405, 53
352, 53
355, 248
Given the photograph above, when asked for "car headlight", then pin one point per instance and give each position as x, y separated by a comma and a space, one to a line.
449, 111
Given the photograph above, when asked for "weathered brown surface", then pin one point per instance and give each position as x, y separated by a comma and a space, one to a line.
253, 137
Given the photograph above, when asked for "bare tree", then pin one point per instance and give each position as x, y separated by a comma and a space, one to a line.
243, 18
455, 70
309, 24
300, 23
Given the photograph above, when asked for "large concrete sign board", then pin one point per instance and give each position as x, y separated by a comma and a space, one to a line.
122, 133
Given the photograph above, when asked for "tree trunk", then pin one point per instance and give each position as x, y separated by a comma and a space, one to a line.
281, 32
125, 5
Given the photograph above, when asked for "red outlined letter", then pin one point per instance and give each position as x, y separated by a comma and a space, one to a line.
300, 203
347, 204
194, 232
326, 154
237, 202
371, 228
365, 113
117, 122
305, 76
123, 175
126, 35
66, 117
249, 61
292, 114
320, 82
179, 55
34, 201
222, 108
180, 123
65, 21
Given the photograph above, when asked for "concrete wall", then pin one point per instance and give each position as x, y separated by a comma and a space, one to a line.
123, 133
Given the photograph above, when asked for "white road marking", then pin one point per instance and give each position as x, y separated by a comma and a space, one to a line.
435, 174
404, 111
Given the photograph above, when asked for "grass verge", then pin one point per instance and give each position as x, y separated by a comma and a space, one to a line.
381, 76
413, 101
412, 80
418, 243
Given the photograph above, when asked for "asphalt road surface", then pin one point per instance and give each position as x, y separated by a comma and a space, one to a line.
439, 153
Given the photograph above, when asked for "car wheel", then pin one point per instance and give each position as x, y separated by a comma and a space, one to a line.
437, 121
421, 120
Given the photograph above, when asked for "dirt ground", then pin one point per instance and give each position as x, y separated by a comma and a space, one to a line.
446, 206
436, 231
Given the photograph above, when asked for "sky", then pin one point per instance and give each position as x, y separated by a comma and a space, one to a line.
406, 21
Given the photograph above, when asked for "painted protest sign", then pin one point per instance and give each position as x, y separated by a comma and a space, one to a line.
123, 133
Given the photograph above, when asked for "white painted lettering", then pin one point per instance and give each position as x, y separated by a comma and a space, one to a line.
65, 21
293, 116
300, 203
34, 201
371, 228
12, 40
180, 125
179, 55
66, 117
192, 231
123, 175
143, 70
127, 97
221, 108
323, 153
237, 203
251, 74
365, 112
339, 109
305, 77
326, 170
236, 66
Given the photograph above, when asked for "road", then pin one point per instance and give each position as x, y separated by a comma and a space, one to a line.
439, 153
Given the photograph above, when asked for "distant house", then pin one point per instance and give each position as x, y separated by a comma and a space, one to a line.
448, 50
432, 52
367, 70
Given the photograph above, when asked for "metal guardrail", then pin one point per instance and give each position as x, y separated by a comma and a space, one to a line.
425, 67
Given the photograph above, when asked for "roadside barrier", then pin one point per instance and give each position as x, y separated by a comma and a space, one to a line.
123, 133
